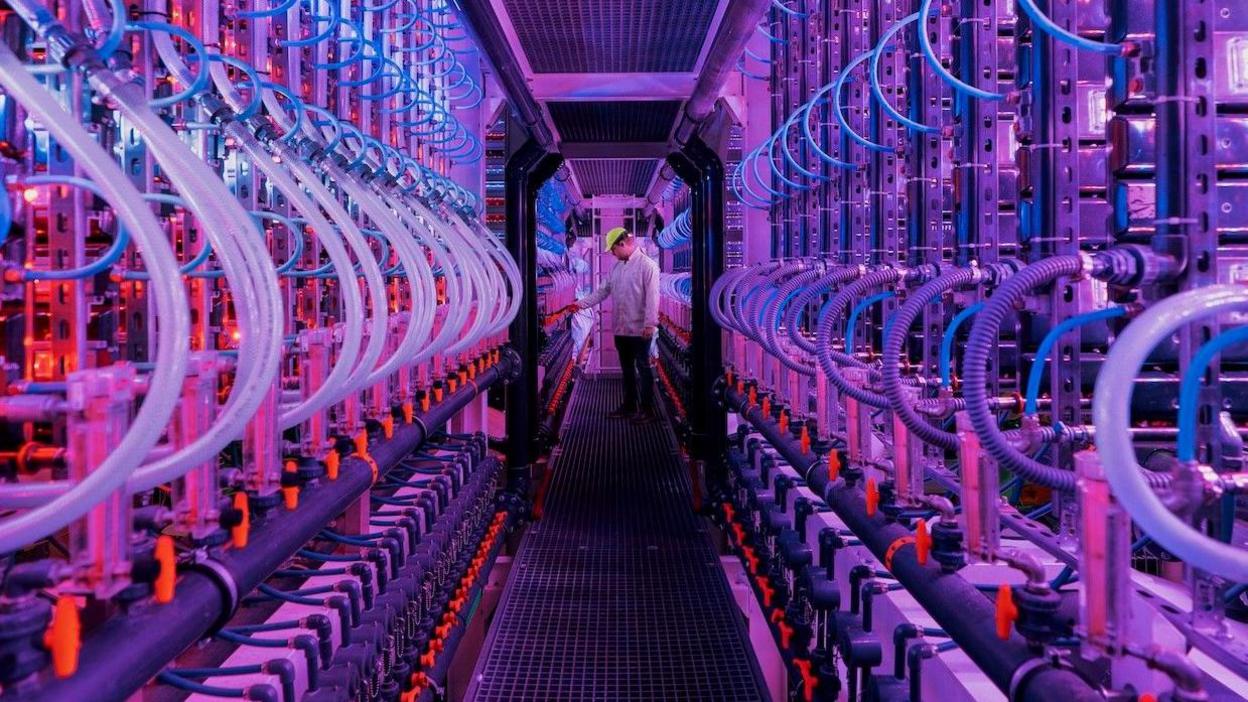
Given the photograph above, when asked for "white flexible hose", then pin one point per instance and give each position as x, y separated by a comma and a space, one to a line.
512, 272
453, 321
497, 286
272, 165
335, 386
379, 321
165, 286
393, 230
420, 317
226, 223
1111, 413
233, 259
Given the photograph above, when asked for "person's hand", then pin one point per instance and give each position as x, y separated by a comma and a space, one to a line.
648, 332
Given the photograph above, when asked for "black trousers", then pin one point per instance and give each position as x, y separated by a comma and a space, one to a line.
635, 361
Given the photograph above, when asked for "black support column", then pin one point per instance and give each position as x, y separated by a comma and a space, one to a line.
699, 166
529, 167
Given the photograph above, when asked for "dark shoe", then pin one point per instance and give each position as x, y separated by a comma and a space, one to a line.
621, 412
645, 416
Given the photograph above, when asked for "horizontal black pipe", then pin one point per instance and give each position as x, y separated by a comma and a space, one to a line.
129, 649
964, 612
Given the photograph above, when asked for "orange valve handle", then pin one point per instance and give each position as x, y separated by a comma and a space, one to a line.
873, 497
387, 427
409, 412
751, 559
786, 635
768, 591
805, 441
766, 407
784, 421
809, 680
1007, 611
834, 466
167, 576
333, 462
361, 442
290, 493
241, 531
922, 542
63, 638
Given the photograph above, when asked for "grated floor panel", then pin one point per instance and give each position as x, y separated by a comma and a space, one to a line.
617, 593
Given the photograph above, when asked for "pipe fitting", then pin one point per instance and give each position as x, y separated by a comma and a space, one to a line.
1029, 565
1187, 677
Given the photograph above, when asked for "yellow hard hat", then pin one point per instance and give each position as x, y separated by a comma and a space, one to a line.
614, 236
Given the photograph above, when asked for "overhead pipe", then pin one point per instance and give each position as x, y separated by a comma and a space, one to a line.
736, 28
129, 649
486, 32
958, 607
735, 31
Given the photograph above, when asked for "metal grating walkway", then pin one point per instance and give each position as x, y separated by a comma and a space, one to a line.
617, 593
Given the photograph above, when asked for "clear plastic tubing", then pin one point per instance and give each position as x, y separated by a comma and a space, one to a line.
497, 286
234, 235
1111, 413
165, 286
414, 265
455, 318
379, 322
228, 225
423, 293
331, 241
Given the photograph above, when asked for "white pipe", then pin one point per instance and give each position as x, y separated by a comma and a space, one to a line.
335, 386
228, 252
493, 282
512, 271
1111, 413
165, 286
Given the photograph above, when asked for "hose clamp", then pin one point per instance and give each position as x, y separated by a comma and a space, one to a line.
223, 579
1087, 265
979, 275
1022, 673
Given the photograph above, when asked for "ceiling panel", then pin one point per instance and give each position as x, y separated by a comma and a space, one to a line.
614, 122
612, 36
629, 177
